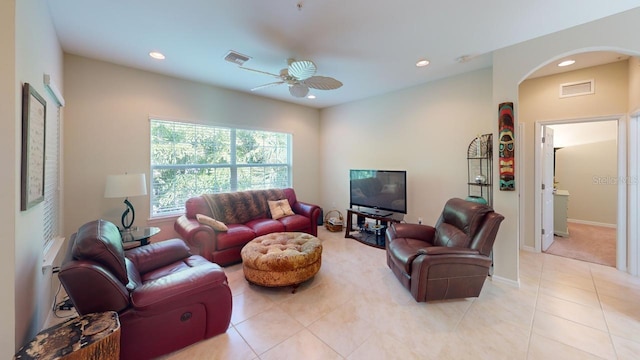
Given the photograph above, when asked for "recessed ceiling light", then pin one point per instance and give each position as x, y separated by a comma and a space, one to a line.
423, 62
311, 96
567, 63
157, 55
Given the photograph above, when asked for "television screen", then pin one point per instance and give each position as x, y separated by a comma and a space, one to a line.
382, 191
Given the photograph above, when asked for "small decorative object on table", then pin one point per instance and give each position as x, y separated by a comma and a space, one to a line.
332, 223
477, 199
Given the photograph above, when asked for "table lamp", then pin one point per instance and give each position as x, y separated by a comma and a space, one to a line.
125, 186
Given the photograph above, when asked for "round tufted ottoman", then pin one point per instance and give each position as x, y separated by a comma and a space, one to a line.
281, 259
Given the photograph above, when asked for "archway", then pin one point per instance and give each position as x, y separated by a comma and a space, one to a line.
529, 232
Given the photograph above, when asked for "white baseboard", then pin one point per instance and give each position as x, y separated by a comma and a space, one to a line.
506, 281
594, 223
528, 248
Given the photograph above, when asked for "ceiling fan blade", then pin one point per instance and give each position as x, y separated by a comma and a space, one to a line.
259, 71
322, 83
267, 85
302, 69
299, 90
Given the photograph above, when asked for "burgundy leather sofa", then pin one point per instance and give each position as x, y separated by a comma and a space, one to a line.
449, 260
165, 297
247, 216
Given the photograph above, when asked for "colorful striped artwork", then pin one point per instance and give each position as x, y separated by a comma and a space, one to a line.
506, 153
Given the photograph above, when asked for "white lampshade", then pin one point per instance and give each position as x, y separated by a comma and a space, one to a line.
126, 185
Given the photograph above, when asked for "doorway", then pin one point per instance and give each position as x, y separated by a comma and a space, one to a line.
579, 180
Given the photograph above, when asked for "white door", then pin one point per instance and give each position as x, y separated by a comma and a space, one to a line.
547, 187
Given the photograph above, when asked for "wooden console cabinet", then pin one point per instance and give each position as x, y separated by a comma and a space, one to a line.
369, 233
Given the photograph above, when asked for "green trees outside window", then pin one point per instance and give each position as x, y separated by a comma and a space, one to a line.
192, 159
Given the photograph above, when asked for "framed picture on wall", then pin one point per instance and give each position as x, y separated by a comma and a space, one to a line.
34, 115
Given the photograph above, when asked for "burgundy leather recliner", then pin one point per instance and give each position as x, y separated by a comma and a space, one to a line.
449, 260
165, 297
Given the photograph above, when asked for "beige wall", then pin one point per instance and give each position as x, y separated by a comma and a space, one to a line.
634, 84
8, 158
512, 65
30, 48
539, 101
589, 173
107, 132
425, 130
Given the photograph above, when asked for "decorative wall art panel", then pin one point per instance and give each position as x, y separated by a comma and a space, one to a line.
506, 154
34, 110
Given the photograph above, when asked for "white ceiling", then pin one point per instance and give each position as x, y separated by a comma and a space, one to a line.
371, 46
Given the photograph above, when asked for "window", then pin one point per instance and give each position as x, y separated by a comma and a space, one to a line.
51, 213
191, 159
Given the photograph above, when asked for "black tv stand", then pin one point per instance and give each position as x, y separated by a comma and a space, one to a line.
370, 235
376, 213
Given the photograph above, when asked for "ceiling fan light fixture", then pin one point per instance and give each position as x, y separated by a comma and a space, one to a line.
422, 63
566, 63
299, 76
157, 55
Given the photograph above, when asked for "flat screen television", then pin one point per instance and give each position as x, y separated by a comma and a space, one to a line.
380, 192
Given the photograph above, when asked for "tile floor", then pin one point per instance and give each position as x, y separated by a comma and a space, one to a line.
354, 308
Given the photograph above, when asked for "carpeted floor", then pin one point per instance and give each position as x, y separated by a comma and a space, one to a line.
595, 244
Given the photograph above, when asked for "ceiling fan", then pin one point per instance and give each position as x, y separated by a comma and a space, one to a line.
300, 76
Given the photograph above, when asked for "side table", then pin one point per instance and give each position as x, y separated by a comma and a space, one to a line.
137, 236
91, 336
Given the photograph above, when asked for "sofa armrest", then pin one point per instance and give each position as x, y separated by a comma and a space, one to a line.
305, 209
442, 250
197, 235
424, 233
165, 293
156, 255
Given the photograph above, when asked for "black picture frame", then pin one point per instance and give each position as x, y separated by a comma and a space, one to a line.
34, 117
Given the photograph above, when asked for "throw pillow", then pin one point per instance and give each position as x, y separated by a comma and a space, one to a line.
215, 224
280, 208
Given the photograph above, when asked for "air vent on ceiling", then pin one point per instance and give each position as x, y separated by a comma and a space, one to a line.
236, 57
577, 88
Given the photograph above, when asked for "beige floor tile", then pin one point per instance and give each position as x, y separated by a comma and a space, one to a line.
229, 345
235, 277
248, 304
610, 275
490, 334
582, 281
620, 290
582, 314
342, 329
310, 305
566, 292
566, 265
573, 334
530, 283
626, 349
623, 325
269, 328
625, 306
500, 310
303, 345
382, 346
543, 348
482, 341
